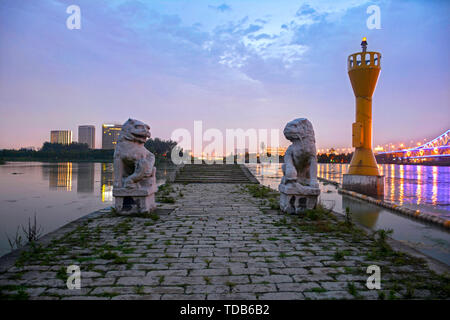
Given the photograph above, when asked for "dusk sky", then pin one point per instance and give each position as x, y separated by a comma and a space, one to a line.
232, 64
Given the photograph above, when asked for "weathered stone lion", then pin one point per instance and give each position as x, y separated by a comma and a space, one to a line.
134, 170
299, 188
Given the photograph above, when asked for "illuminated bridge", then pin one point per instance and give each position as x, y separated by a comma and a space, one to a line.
436, 151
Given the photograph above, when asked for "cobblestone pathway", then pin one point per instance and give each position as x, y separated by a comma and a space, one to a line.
217, 243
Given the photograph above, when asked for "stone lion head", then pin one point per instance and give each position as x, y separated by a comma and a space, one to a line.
299, 129
135, 130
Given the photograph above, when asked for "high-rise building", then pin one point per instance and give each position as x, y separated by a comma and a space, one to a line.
61, 136
86, 134
110, 135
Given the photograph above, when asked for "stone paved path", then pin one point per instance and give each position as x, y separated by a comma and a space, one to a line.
216, 244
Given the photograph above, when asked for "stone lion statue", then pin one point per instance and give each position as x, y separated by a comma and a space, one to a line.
134, 170
299, 187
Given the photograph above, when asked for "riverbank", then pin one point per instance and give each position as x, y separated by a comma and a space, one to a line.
217, 241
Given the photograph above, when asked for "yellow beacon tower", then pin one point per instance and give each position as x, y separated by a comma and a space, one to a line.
363, 175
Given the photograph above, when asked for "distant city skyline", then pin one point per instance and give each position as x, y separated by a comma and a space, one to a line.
251, 64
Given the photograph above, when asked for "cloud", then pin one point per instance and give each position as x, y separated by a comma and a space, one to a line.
222, 8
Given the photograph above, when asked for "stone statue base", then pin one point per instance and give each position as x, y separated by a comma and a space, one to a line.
134, 201
296, 198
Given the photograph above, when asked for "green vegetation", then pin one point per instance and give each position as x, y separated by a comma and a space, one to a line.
258, 190
271, 197
62, 274
160, 148
5, 292
230, 284
139, 289
164, 193
59, 152
207, 280
352, 289
81, 152
166, 200
338, 255
109, 255
334, 158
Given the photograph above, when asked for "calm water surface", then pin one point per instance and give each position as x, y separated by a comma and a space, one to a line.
418, 187
431, 191
56, 192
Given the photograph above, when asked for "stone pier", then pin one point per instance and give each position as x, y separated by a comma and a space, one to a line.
216, 241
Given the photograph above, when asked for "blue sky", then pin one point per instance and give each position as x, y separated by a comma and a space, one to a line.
232, 64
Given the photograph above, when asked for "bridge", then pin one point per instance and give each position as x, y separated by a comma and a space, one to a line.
436, 151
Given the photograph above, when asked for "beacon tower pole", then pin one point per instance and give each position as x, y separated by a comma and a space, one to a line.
363, 175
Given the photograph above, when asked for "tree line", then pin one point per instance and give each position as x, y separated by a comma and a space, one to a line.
81, 152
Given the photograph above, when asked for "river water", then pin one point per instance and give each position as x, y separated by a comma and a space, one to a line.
417, 187
58, 193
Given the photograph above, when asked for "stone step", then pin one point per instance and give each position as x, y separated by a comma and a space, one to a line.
217, 173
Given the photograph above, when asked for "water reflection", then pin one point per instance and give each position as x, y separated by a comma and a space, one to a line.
417, 187
60, 177
435, 186
362, 212
85, 177
106, 182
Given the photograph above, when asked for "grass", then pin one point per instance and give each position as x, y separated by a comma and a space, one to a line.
109, 255
20, 295
230, 284
163, 194
120, 260
259, 191
139, 289
166, 199
62, 274
128, 250
338, 255
352, 289
208, 263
